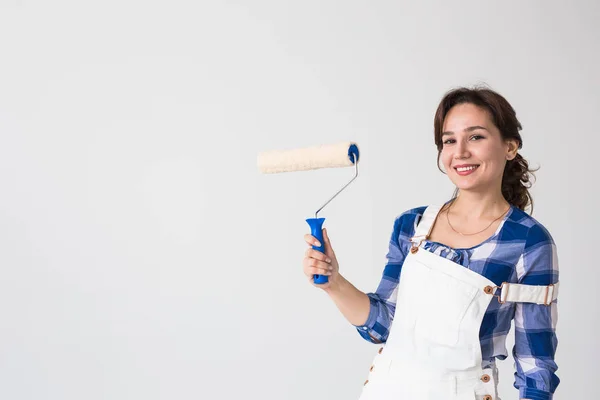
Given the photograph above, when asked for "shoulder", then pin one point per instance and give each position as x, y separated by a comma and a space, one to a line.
538, 264
533, 233
540, 259
405, 223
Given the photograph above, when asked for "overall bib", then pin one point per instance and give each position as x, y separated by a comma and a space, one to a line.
433, 349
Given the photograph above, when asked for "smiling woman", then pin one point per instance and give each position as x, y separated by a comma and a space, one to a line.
480, 125
453, 285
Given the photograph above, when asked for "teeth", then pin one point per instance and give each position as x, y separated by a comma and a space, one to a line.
463, 169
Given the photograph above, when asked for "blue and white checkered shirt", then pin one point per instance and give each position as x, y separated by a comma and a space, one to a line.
520, 251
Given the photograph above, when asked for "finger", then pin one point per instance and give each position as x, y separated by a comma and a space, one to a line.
311, 253
311, 240
325, 236
311, 270
318, 271
311, 266
320, 264
328, 249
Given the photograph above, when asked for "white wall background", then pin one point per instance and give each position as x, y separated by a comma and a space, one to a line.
142, 255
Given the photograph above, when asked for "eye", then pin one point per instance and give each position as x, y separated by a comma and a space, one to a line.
477, 137
448, 141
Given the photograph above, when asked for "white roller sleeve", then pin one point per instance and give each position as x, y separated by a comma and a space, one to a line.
514, 292
324, 156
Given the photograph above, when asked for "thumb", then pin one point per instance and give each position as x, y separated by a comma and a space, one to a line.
328, 249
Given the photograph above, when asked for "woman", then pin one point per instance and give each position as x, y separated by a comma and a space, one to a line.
458, 273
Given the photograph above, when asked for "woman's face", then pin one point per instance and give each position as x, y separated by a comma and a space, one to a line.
474, 153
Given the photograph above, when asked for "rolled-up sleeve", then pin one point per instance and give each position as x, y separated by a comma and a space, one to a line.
535, 324
383, 300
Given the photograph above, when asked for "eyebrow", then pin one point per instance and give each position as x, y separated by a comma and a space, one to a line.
469, 129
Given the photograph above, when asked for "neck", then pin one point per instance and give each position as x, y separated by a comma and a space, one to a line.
479, 205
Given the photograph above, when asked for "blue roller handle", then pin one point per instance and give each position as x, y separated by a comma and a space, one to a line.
316, 229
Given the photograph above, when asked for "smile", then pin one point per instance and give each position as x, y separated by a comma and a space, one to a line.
463, 170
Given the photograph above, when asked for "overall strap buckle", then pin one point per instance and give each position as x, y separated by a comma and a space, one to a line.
416, 242
546, 302
501, 287
538, 294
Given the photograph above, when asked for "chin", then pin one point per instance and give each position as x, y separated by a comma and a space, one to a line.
461, 184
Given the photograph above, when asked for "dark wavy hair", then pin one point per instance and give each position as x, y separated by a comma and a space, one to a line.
517, 177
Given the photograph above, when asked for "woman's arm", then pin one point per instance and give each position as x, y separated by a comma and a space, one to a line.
351, 302
535, 324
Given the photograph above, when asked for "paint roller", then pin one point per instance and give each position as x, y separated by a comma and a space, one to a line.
336, 155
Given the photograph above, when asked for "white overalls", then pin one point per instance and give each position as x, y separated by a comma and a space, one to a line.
433, 349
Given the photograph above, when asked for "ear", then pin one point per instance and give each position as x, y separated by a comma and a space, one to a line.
512, 146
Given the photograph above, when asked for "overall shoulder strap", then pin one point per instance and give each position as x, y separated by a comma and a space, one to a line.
538, 294
426, 223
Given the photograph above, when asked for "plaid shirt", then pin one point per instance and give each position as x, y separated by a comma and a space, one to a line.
520, 251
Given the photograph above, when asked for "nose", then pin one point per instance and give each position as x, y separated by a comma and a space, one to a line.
462, 151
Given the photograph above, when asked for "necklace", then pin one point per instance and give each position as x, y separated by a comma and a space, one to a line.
471, 234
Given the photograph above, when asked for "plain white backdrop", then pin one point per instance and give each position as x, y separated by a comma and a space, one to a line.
143, 256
